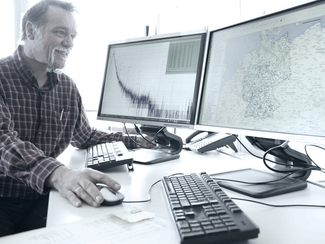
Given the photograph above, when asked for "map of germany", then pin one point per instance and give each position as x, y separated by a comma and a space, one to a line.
261, 77
263, 74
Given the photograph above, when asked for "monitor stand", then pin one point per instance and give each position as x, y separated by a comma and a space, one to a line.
288, 157
169, 146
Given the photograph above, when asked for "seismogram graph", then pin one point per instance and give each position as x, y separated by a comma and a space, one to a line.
151, 81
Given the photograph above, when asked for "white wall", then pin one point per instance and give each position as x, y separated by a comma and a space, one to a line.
102, 21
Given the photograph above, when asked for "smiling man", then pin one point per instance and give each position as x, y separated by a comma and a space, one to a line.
41, 113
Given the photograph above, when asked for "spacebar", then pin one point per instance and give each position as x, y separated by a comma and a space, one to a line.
199, 203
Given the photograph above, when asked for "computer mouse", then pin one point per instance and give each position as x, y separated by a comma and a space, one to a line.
111, 197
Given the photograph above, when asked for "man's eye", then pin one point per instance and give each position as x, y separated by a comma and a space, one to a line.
61, 33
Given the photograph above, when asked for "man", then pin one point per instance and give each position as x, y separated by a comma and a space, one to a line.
41, 113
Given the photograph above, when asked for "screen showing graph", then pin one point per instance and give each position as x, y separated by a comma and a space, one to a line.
266, 77
153, 80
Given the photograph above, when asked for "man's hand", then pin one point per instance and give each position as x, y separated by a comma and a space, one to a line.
80, 185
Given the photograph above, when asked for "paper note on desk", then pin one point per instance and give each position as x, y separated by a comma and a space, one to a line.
103, 229
133, 215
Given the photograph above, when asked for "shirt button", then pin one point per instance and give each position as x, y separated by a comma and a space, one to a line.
40, 132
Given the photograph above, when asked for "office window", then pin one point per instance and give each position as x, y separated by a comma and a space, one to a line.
7, 28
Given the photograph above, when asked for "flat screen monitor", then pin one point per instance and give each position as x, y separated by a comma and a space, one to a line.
266, 77
154, 81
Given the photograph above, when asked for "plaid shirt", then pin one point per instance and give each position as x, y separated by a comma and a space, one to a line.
37, 125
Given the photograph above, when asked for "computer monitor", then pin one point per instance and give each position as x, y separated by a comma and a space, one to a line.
154, 81
265, 78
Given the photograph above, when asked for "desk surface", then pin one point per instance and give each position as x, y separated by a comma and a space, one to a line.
277, 225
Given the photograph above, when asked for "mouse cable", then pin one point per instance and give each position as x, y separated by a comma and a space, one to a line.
278, 205
149, 196
149, 190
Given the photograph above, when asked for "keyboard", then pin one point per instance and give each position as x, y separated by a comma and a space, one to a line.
107, 155
203, 213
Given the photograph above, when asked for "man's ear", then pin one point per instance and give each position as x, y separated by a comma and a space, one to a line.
30, 30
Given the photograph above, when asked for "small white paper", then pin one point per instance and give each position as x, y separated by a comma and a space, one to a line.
133, 215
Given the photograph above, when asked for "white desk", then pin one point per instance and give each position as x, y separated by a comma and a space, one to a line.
277, 225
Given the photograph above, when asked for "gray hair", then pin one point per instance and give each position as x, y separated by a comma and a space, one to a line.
37, 13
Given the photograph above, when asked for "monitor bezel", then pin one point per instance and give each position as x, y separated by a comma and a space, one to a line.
296, 137
202, 33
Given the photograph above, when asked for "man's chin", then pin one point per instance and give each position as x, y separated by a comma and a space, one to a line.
55, 67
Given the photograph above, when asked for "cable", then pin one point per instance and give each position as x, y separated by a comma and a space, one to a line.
149, 190
277, 205
139, 132
311, 145
162, 128
250, 151
252, 183
310, 167
127, 132
149, 196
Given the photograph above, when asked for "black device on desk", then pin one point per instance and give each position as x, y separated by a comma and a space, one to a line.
203, 213
107, 155
274, 184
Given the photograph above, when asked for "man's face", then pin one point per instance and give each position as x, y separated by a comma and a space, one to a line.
54, 40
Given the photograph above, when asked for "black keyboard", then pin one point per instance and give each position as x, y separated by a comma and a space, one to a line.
203, 213
107, 155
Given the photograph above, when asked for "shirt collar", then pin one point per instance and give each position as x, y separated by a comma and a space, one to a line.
27, 75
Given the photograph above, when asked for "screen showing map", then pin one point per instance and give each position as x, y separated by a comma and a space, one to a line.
268, 74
